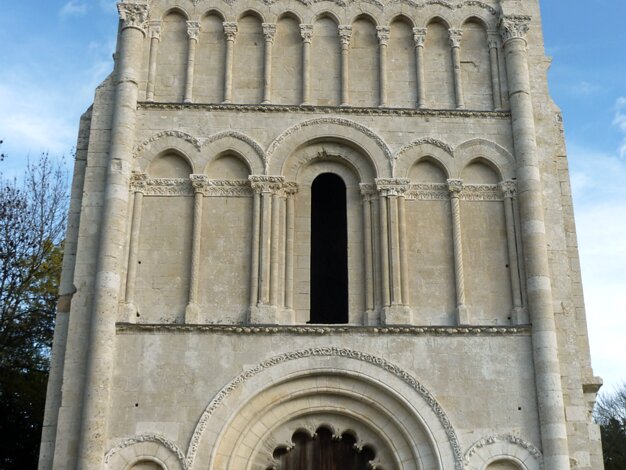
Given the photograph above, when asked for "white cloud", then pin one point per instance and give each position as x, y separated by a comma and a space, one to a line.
620, 122
73, 8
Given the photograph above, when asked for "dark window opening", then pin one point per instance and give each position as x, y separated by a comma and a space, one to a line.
324, 452
329, 250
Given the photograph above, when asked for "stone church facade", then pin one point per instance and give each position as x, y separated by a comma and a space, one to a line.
339, 228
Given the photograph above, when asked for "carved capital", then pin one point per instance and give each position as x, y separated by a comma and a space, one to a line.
392, 186
290, 188
419, 36
230, 30
455, 187
154, 29
269, 31
383, 33
306, 31
199, 182
138, 182
193, 29
508, 188
133, 15
514, 27
493, 39
345, 33
455, 37
263, 184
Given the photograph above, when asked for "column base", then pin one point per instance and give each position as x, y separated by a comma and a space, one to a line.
192, 314
131, 313
188, 101
271, 315
266, 102
227, 102
371, 318
396, 315
519, 316
462, 315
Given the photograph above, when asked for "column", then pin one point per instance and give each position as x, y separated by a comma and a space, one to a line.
267, 309
396, 311
419, 36
455, 44
110, 254
383, 40
269, 31
256, 230
494, 62
193, 30
345, 33
518, 315
230, 32
192, 312
154, 30
306, 31
384, 250
539, 289
138, 187
455, 187
291, 190
368, 249
404, 262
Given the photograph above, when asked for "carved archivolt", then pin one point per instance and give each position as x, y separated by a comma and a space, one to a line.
127, 451
250, 143
169, 133
442, 420
503, 447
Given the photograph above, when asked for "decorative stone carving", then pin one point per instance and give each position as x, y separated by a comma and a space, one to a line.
345, 33
425, 140
481, 192
383, 33
510, 438
230, 30
239, 136
227, 188
170, 133
290, 188
493, 39
138, 182
269, 31
146, 438
306, 31
266, 184
154, 29
168, 187
322, 352
193, 29
455, 37
392, 187
508, 188
427, 192
455, 187
133, 15
514, 27
419, 36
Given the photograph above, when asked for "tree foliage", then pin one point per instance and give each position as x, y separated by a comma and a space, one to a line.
610, 414
32, 224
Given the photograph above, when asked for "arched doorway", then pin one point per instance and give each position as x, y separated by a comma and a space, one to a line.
329, 250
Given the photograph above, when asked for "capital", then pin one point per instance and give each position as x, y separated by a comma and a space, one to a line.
508, 188
392, 186
455, 37
290, 188
193, 29
419, 36
138, 182
230, 30
514, 27
133, 15
154, 29
269, 31
455, 187
493, 39
306, 31
345, 33
198, 182
264, 184
383, 33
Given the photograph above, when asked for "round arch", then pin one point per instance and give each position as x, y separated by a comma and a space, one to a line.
244, 146
503, 447
411, 153
145, 447
355, 391
488, 151
378, 159
179, 142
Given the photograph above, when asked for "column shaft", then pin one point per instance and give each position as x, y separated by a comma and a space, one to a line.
306, 31
345, 32
384, 248
274, 247
367, 250
508, 190
455, 187
192, 312
394, 250
131, 275
254, 269
494, 63
455, 43
404, 262
110, 253
155, 37
419, 36
290, 223
540, 302
269, 30
265, 257
193, 30
230, 32
383, 39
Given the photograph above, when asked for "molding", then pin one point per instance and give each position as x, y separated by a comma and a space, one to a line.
168, 133
306, 330
327, 352
157, 438
426, 140
306, 109
507, 438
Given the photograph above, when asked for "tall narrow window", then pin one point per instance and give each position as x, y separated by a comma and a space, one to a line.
329, 250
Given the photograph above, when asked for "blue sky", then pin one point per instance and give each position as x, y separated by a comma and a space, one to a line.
55, 52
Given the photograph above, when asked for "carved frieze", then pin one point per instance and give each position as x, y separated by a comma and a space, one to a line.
481, 192
427, 192
266, 184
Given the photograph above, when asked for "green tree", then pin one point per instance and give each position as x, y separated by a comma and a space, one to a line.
610, 414
32, 224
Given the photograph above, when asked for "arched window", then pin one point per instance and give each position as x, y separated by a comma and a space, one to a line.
329, 250
324, 452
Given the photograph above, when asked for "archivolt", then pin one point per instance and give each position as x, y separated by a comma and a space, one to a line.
152, 447
185, 144
240, 143
421, 413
